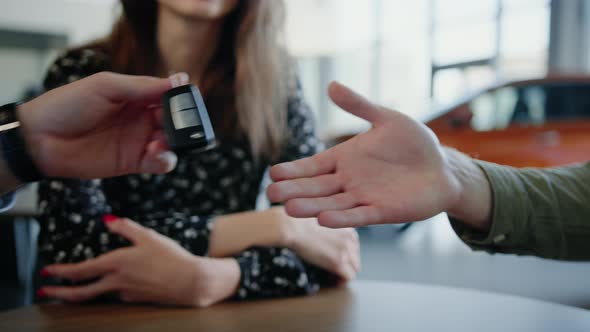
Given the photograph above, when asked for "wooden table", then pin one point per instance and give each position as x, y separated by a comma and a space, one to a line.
363, 306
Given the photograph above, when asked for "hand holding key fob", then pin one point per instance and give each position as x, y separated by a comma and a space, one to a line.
186, 121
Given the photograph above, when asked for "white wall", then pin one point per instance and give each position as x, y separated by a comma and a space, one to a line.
321, 27
19, 69
570, 36
80, 20
378, 47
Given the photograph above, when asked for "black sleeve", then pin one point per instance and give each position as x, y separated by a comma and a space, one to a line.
72, 229
278, 272
302, 140
74, 65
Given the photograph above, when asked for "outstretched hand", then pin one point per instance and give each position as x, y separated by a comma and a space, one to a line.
395, 172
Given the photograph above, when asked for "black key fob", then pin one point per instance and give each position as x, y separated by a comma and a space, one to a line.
186, 121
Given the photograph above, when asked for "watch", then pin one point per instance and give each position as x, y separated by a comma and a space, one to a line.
14, 148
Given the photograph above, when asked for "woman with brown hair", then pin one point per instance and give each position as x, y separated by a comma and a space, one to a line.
194, 239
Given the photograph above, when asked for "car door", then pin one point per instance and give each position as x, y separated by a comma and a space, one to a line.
538, 124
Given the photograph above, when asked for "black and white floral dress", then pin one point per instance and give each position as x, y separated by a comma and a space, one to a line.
180, 205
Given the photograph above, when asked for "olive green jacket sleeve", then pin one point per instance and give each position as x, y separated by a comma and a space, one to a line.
541, 212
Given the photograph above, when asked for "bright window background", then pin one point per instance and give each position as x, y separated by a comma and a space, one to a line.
378, 47
385, 49
476, 43
24, 60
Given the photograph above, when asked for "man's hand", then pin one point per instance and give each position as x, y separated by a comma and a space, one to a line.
101, 126
396, 172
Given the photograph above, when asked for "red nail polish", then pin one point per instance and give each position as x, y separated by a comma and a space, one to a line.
41, 293
44, 273
109, 218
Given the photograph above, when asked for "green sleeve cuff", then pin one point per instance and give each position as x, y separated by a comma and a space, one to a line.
508, 232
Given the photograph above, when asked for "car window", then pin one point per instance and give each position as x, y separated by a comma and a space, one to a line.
530, 105
493, 110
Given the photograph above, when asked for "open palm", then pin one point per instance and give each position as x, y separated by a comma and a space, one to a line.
393, 173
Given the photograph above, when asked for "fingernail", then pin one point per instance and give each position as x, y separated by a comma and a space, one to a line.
164, 162
41, 293
154, 106
179, 79
109, 218
45, 273
169, 158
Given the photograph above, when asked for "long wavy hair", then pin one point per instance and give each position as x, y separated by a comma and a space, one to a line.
247, 84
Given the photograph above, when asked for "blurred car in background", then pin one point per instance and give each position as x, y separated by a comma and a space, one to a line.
537, 123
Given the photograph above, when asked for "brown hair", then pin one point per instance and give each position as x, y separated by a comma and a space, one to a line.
246, 85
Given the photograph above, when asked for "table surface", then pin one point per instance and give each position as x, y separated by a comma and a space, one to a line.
362, 306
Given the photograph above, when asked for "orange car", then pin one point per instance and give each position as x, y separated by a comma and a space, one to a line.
538, 123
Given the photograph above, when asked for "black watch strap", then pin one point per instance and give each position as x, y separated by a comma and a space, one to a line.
14, 148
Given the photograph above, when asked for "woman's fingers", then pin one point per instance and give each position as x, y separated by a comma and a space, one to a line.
130, 230
86, 270
319, 186
80, 293
311, 207
347, 270
355, 251
352, 253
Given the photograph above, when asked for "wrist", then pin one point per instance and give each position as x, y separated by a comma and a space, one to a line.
32, 144
8, 181
285, 231
214, 280
234, 233
200, 294
474, 204
17, 165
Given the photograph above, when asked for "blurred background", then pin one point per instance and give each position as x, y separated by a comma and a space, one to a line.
431, 59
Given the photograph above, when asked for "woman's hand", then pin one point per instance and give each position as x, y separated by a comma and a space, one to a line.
334, 250
154, 270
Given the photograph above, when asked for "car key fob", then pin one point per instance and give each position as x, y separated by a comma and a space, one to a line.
186, 121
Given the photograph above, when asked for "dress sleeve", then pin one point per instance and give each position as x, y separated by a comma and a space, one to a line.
74, 65
302, 140
278, 272
72, 229
71, 210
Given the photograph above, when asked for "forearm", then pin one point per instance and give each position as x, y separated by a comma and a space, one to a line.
542, 212
237, 232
